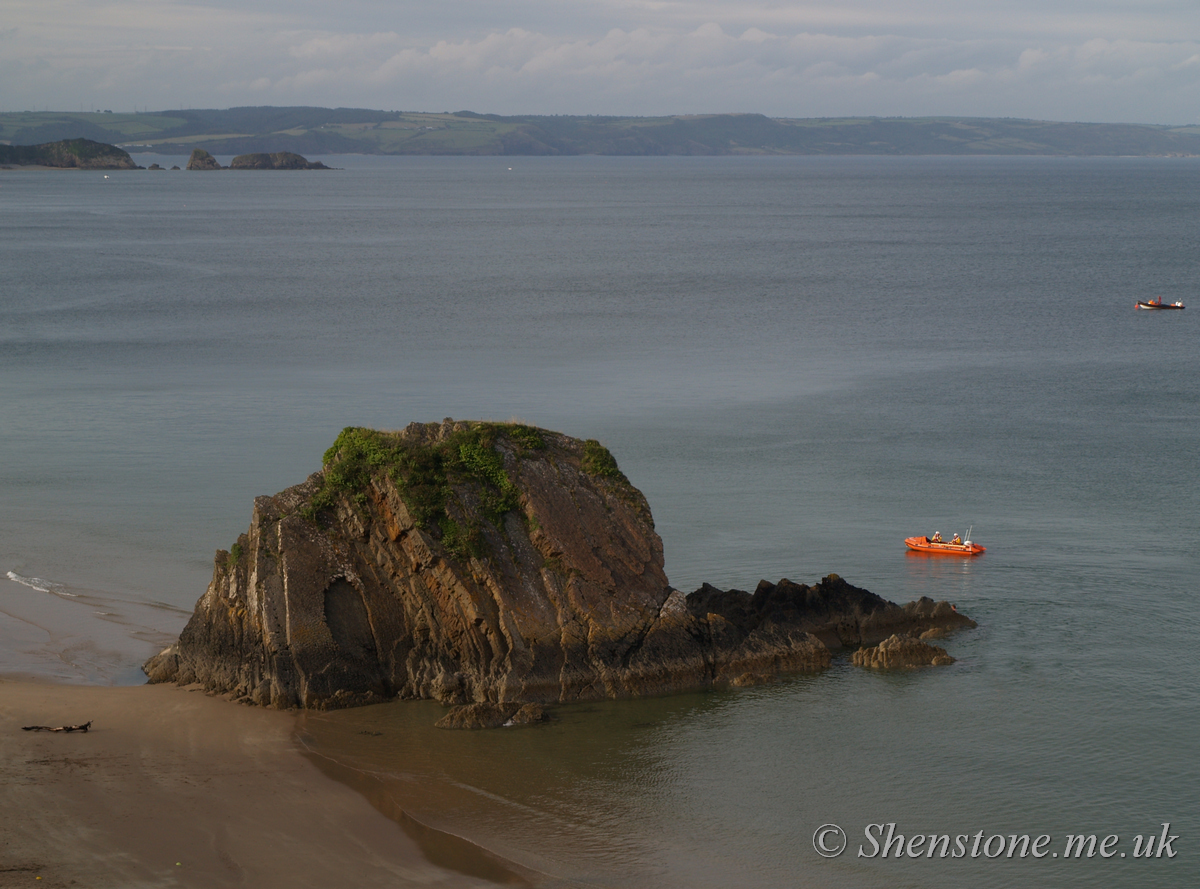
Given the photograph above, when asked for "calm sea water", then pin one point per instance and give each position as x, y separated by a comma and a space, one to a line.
800, 361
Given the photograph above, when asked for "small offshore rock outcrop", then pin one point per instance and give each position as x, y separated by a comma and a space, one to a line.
202, 160
490, 564
280, 160
901, 650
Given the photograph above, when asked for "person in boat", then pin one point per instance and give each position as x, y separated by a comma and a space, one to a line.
957, 541
936, 538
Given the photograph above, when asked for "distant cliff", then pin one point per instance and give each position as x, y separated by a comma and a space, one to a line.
483, 562
82, 154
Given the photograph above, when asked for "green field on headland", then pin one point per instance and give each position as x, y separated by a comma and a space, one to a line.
362, 131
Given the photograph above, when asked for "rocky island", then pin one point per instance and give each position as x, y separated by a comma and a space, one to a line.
279, 160
202, 160
491, 565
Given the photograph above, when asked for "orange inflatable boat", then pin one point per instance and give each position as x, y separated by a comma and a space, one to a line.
941, 548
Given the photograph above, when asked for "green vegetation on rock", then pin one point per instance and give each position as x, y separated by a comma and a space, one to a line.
599, 461
431, 477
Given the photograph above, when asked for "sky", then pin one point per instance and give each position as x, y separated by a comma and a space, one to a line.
1133, 61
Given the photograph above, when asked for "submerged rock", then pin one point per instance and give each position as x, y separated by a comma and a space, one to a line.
481, 715
490, 564
901, 651
529, 714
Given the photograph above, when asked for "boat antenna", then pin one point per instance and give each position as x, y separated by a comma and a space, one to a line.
968, 540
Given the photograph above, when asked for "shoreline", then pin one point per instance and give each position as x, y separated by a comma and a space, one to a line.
172, 787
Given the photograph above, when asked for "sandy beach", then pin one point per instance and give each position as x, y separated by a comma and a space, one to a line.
175, 788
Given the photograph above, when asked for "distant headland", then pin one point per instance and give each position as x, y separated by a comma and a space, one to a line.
84, 154
307, 130
81, 154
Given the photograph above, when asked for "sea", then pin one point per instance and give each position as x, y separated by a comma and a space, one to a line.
800, 360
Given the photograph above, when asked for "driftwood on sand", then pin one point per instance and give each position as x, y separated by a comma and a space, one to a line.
61, 728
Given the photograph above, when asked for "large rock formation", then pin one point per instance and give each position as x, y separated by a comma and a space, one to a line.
280, 160
489, 563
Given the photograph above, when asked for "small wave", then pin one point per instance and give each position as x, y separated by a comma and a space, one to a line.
42, 586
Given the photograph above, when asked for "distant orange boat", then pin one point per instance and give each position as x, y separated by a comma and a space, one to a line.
941, 548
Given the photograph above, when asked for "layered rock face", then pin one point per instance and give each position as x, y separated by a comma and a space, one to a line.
489, 563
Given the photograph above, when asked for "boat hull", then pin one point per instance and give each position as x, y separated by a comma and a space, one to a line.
1142, 305
927, 546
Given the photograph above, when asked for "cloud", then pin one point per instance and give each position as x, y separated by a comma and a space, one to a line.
1060, 60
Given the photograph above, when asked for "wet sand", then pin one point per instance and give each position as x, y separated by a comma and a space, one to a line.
175, 788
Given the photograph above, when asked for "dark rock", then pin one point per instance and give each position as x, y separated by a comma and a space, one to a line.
901, 651
202, 160
495, 564
154, 167
835, 612
175, 166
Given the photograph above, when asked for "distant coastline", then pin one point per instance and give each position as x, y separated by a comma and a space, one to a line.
308, 130
84, 154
